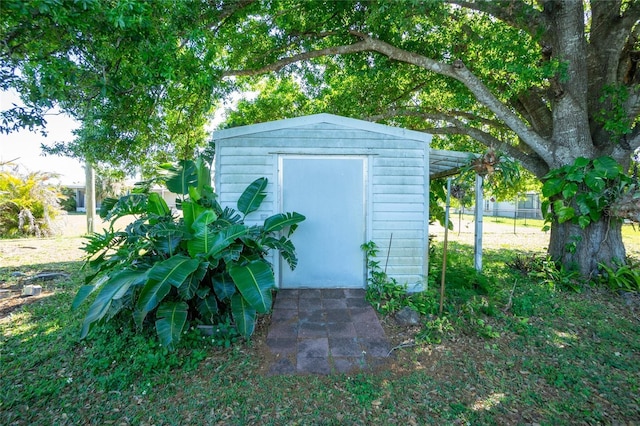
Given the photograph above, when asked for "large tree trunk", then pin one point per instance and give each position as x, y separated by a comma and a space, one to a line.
600, 242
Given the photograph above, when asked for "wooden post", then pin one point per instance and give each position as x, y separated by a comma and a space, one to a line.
477, 248
444, 246
90, 196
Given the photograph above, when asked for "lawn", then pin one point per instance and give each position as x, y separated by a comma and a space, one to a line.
514, 349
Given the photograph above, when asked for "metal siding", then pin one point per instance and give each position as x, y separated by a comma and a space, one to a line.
397, 171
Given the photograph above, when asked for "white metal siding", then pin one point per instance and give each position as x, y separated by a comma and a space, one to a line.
398, 178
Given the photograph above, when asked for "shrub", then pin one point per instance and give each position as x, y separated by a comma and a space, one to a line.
28, 205
206, 267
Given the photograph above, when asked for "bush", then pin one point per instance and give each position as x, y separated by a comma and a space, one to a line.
205, 267
28, 205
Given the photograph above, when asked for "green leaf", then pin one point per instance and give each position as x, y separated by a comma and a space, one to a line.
252, 196
117, 285
244, 315
183, 177
190, 286
282, 220
203, 237
581, 162
607, 167
584, 221
171, 318
563, 213
286, 249
552, 187
157, 205
594, 181
225, 237
82, 295
174, 270
569, 190
255, 282
191, 211
223, 286
208, 308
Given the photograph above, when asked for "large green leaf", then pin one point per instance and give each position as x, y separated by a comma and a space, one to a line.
171, 272
255, 282
183, 177
225, 237
204, 173
170, 320
244, 315
190, 286
174, 270
208, 308
115, 287
203, 236
190, 211
607, 167
286, 249
223, 286
282, 220
157, 205
552, 187
252, 196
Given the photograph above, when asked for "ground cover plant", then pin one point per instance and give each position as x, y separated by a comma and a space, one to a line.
552, 356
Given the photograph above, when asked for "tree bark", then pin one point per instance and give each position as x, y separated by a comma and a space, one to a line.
600, 242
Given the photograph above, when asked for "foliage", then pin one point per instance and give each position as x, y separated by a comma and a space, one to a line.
204, 267
28, 204
68, 199
618, 276
383, 292
583, 191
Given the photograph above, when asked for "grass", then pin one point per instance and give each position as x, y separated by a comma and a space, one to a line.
518, 351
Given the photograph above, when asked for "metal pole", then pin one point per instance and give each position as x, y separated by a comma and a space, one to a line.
477, 247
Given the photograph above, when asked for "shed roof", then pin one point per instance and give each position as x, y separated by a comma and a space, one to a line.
441, 163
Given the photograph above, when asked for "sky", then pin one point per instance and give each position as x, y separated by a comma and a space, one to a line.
23, 147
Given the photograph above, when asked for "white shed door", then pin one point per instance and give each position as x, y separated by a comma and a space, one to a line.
330, 192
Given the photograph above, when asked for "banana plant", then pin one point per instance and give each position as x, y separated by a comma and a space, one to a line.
204, 266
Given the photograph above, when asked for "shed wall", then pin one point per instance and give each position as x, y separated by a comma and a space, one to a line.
397, 185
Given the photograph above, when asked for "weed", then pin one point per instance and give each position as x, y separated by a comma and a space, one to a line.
618, 276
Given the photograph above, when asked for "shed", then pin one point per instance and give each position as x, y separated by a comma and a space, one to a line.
355, 181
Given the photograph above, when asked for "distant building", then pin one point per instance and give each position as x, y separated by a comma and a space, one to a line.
80, 190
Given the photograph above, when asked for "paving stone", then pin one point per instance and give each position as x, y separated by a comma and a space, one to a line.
357, 302
345, 364
283, 315
313, 348
283, 303
333, 293
282, 367
341, 329
283, 330
283, 345
337, 315
355, 292
343, 347
378, 348
309, 293
312, 316
312, 329
364, 315
288, 293
309, 304
369, 330
334, 303
313, 365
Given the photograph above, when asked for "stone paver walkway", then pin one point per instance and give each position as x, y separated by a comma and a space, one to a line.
325, 331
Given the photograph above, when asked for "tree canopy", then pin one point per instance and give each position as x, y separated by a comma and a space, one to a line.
552, 83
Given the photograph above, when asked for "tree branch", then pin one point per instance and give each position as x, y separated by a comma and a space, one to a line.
457, 71
518, 14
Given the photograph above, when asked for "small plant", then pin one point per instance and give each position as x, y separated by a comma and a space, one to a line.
618, 276
558, 276
206, 266
434, 330
383, 292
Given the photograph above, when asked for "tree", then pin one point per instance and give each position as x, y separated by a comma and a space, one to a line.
141, 77
550, 83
